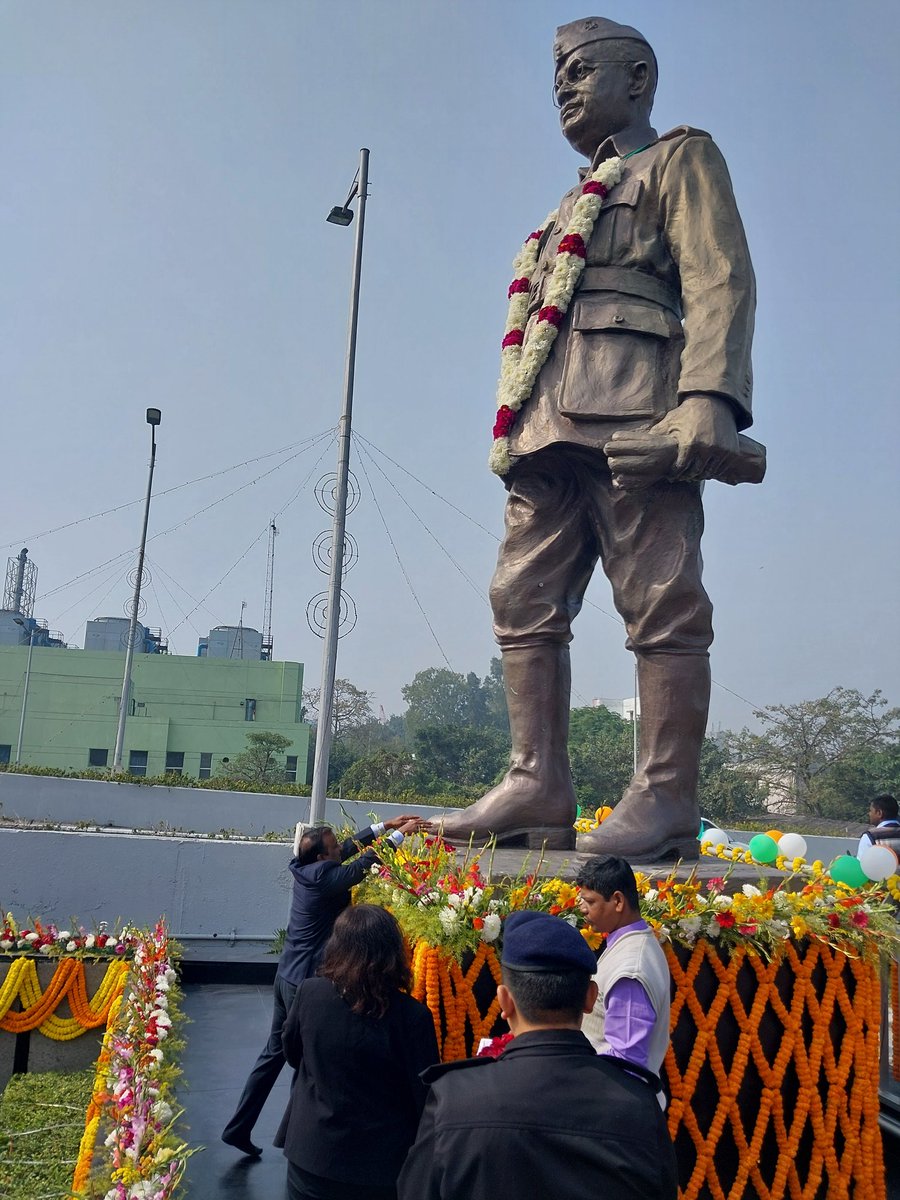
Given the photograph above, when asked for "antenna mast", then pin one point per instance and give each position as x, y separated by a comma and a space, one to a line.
267, 643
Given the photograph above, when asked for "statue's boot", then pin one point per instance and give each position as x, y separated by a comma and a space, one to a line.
657, 818
534, 804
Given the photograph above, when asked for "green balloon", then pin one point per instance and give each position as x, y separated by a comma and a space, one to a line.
846, 869
763, 848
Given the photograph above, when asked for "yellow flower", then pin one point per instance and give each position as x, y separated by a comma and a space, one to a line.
594, 940
799, 926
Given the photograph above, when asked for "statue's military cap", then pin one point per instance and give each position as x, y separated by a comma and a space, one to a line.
535, 941
592, 29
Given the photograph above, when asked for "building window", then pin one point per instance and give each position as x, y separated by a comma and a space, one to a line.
4, 753
174, 762
98, 758
249, 710
137, 762
290, 768
205, 766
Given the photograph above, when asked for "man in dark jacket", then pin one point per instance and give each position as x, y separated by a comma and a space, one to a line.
323, 880
549, 1117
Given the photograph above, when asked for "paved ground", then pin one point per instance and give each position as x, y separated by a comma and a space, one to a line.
230, 1023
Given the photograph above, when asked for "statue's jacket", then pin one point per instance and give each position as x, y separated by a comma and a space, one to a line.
665, 306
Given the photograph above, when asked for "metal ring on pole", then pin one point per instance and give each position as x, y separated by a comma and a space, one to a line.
322, 551
128, 609
146, 577
326, 492
317, 614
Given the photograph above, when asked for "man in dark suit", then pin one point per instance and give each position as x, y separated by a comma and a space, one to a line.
323, 880
549, 1117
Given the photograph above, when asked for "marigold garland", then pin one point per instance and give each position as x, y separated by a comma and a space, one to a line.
68, 983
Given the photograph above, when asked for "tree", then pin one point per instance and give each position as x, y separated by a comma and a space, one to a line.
262, 761
385, 771
350, 709
601, 753
824, 754
438, 697
454, 758
725, 791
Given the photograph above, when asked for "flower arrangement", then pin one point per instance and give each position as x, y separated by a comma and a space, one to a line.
141, 1156
53, 942
442, 902
803, 904
449, 904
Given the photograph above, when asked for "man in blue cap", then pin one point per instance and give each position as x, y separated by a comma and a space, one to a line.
550, 1117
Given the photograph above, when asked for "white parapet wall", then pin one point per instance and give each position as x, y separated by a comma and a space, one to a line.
51, 799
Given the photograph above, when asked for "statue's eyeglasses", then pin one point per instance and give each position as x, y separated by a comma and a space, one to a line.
578, 70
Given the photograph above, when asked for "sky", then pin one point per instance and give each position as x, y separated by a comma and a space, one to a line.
168, 169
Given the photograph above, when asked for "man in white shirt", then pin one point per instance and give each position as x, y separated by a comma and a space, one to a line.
885, 829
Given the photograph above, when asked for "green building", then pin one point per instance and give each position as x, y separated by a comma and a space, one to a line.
186, 714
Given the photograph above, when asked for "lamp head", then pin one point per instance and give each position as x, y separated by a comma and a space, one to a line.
340, 216
154, 416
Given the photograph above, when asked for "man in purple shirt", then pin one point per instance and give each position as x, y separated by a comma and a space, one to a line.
630, 1019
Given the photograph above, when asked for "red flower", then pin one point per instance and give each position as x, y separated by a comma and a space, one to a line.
478, 922
572, 243
552, 314
725, 919
834, 920
747, 929
860, 919
593, 187
535, 237
506, 418
518, 285
515, 337
715, 885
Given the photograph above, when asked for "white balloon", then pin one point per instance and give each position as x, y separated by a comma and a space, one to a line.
792, 845
878, 862
714, 837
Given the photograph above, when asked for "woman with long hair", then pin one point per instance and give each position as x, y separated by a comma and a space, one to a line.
358, 1042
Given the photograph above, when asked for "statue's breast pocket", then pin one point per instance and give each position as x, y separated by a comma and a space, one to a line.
618, 361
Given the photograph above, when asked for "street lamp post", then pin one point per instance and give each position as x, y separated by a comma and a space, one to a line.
339, 216
154, 417
31, 633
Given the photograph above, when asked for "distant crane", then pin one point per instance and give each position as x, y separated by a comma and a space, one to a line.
267, 644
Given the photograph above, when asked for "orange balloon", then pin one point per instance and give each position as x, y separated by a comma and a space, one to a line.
775, 834
604, 812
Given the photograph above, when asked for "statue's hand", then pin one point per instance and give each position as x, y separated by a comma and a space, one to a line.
692, 442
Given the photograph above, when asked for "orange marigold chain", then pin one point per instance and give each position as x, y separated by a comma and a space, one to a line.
68, 983
814, 1064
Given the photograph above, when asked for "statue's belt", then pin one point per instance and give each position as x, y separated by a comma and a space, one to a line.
629, 282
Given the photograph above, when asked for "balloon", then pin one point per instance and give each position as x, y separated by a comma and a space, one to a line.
792, 845
775, 834
763, 848
878, 862
847, 869
604, 812
714, 837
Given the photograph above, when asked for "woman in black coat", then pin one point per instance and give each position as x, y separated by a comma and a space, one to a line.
358, 1042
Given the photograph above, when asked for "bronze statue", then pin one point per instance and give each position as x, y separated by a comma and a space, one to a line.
641, 397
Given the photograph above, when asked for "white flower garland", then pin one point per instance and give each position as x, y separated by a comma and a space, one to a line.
521, 359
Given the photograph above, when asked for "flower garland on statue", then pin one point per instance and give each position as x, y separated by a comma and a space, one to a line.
520, 359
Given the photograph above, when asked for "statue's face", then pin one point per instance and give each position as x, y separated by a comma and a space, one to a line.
594, 98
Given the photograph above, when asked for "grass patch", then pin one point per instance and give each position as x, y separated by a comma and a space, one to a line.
41, 1123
